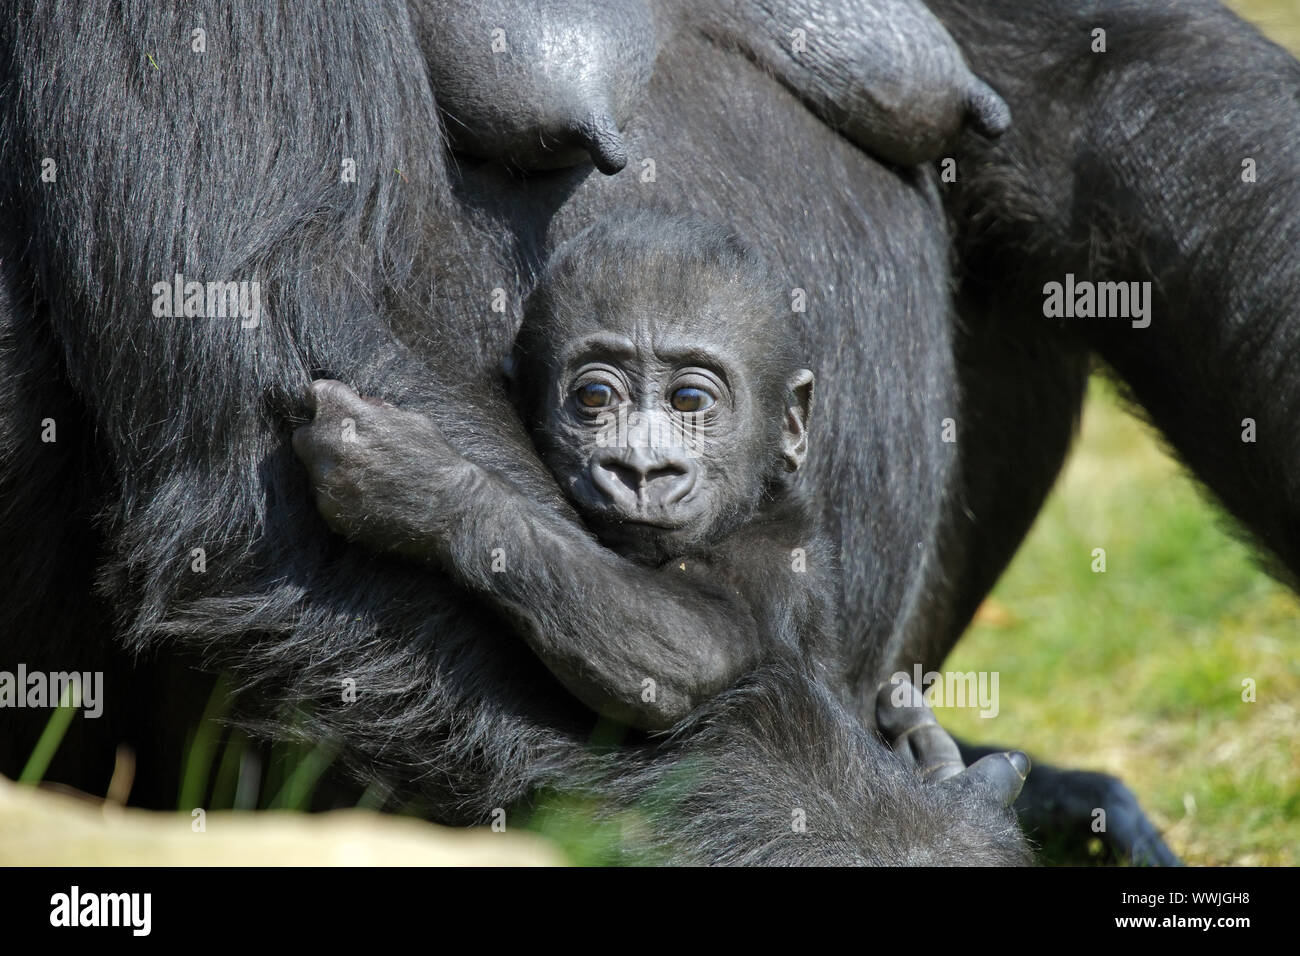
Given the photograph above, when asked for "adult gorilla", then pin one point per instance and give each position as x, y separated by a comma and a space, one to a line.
172, 434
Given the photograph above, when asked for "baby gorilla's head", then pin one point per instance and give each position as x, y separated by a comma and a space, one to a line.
657, 369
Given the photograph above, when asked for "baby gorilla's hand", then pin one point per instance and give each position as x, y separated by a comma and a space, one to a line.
377, 471
910, 728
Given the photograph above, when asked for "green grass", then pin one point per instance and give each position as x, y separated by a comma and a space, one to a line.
51, 737
1138, 671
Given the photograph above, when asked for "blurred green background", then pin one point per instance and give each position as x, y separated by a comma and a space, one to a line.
1138, 671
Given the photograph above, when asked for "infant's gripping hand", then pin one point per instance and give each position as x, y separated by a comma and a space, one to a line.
382, 476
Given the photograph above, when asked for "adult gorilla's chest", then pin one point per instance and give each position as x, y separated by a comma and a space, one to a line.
864, 252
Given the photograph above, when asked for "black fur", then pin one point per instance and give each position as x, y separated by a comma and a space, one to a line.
186, 419
173, 434
707, 561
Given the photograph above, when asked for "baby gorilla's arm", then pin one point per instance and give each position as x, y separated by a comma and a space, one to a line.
885, 73
637, 644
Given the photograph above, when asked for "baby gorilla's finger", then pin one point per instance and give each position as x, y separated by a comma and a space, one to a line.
318, 461
1001, 776
302, 442
327, 397
309, 448
910, 728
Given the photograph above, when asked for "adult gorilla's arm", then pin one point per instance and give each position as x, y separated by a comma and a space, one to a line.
1173, 157
130, 157
608, 628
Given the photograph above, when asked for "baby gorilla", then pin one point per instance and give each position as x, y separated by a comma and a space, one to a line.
658, 375
541, 84
656, 370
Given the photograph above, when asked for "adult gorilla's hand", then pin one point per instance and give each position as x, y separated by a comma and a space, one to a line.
910, 728
376, 470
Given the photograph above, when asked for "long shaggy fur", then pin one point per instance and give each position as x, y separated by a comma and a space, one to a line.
227, 166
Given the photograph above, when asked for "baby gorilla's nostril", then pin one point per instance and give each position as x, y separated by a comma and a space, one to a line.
640, 478
667, 471
668, 484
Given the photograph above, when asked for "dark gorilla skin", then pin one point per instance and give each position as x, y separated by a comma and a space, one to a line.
543, 85
174, 435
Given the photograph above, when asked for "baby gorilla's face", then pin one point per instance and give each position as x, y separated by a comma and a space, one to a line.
661, 441
656, 368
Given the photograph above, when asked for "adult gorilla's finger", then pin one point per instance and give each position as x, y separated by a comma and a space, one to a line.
1000, 775
910, 728
897, 708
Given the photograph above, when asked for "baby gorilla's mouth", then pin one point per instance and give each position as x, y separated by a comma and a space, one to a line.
640, 522
646, 539
614, 518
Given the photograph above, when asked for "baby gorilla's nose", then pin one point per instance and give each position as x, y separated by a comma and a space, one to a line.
644, 483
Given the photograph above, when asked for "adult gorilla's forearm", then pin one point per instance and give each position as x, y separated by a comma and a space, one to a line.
167, 162
1174, 158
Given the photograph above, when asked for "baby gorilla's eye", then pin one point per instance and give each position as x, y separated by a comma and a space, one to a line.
595, 395
691, 399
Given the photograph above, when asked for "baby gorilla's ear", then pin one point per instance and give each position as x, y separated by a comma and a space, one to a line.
794, 430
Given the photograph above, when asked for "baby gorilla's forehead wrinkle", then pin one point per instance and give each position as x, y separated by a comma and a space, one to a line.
643, 334
698, 336
604, 343
678, 351
657, 342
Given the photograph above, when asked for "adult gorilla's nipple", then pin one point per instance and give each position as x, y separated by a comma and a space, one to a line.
600, 137
987, 112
